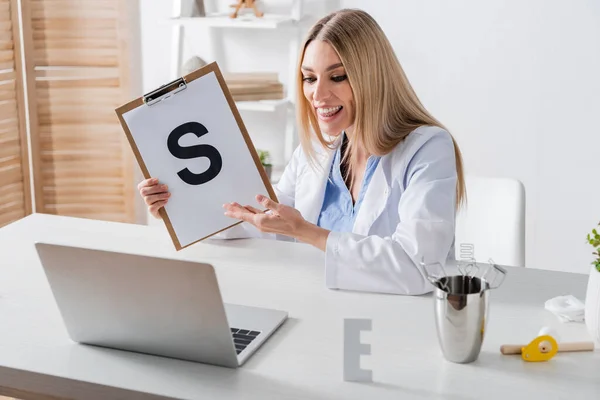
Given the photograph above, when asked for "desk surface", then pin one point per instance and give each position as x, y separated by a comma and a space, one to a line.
304, 359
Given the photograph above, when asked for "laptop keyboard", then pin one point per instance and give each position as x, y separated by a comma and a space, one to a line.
242, 338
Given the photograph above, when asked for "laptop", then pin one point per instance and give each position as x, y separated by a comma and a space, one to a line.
158, 306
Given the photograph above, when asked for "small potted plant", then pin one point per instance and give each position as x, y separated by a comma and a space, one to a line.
265, 160
592, 298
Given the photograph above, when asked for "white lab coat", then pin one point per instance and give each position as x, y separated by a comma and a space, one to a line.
408, 214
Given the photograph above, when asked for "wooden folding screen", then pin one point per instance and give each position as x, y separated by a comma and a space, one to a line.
77, 65
15, 193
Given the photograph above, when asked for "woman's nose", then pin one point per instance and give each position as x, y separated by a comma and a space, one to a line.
321, 91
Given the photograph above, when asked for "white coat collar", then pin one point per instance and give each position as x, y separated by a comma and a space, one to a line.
375, 199
311, 192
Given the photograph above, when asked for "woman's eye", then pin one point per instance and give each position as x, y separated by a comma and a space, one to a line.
339, 78
308, 79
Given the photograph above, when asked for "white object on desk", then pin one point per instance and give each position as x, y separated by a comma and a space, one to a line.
566, 308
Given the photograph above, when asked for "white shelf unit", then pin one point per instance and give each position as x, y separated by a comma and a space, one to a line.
247, 20
220, 20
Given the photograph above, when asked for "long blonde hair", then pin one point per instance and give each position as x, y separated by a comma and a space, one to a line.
386, 106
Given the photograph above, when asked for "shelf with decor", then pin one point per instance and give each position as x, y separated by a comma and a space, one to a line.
223, 20
252, 92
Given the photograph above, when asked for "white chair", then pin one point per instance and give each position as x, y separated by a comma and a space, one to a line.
491, 224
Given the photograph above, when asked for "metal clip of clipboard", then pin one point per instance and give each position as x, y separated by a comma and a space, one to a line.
165, 91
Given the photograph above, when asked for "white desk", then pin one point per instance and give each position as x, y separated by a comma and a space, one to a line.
304, 358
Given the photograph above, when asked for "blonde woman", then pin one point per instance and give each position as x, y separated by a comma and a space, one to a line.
376, 181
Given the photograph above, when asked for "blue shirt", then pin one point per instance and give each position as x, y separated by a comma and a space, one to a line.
337, 212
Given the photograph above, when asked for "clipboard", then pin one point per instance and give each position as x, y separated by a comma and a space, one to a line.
189, 134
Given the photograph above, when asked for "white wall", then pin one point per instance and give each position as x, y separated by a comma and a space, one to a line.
517, 83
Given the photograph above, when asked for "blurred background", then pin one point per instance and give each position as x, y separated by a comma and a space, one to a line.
516, 83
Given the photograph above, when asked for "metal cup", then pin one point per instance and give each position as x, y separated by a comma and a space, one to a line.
461, 312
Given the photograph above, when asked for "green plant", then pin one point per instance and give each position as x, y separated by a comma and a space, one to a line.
594, 240
265, 157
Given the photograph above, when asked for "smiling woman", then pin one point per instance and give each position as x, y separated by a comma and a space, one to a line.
376, 181
326, 86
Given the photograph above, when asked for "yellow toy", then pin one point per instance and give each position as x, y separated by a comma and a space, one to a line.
544, 347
